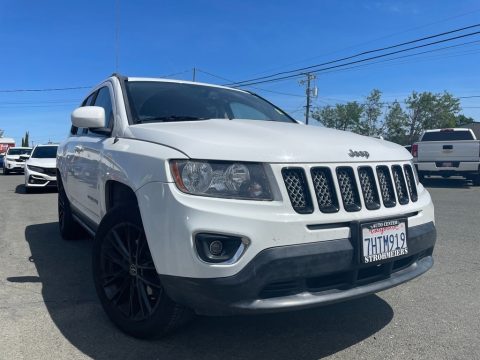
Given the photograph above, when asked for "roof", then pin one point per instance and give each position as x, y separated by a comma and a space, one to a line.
4, 140
448, 129
181, 82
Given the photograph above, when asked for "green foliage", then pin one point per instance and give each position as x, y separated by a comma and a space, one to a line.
399, 123
341, 116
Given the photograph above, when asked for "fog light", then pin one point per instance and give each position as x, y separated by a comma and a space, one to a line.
216, 248
220, 248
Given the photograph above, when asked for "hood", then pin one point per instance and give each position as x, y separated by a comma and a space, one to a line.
266, 141
45, 163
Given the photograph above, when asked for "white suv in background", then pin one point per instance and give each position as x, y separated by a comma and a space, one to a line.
41, 167
212, 200
15, 158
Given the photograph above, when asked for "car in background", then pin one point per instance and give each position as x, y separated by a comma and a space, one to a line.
15, 158
448, 152
40, 169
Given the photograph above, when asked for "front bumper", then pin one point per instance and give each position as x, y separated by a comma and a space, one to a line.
35, 179
303, 276
459, 168
14, 165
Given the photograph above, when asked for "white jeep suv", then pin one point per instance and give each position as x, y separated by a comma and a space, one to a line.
212, 200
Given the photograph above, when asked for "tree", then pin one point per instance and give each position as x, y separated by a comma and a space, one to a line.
25, 140
372, 109
430, 111
461, 120
395, 124
341, 116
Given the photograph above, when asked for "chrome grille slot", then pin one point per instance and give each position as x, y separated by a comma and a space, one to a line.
400, 184
297, 189
324, 189
386, 186
369, 188
412, 186
348, 189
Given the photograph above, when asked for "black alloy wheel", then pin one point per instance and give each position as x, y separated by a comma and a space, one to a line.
126, 280
129, 279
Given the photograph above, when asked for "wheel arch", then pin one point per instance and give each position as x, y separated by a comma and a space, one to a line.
118, 193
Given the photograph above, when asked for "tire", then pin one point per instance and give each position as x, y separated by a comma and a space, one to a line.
421, 177
476, 180
6, 171
132, 297
69, 228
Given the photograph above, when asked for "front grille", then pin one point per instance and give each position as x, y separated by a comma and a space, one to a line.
348, 189
382, 185
50, 172
386, 186
324, 189
297, 188
400, 184
410, 178
369, 188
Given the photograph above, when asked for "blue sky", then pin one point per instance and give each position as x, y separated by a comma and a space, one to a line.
52, 44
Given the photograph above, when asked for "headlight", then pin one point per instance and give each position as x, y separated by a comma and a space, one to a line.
35, 168
223, 179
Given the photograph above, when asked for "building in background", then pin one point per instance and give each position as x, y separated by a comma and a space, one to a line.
475, 126
5, 143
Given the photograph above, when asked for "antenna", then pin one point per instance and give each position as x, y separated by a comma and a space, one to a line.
117, 30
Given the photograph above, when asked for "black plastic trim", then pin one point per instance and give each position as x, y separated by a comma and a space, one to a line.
295, 265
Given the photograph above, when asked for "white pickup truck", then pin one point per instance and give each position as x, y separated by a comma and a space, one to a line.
448, 152
212, 200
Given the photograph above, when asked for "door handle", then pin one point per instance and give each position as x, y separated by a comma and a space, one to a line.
447, 147
78, 149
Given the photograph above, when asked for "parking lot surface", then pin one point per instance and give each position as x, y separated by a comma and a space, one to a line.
49, 309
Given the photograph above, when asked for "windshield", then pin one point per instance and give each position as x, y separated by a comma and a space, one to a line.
447, 135
45, 152
12, 151
164, 101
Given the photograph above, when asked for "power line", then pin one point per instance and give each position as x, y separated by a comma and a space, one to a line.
44, 90
175, 74
404, 56
253, 87
299, 73
311, 67
374, 40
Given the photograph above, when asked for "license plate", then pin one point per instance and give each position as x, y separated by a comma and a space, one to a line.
384, 240
447, 164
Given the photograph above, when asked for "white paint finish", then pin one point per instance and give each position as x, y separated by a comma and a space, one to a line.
266, 141
88, 117
171, 217
137, 156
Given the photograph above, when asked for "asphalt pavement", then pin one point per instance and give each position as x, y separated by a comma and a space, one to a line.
49, 309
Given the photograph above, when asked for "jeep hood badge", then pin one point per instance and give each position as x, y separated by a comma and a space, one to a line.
359, 154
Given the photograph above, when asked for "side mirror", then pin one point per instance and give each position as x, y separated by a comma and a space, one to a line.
88, 117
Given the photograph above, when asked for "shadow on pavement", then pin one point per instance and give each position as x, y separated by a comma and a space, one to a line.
20, 189
64, 269
438, 182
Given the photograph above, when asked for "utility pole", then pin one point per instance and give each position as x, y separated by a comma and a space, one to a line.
194, 73
309, 92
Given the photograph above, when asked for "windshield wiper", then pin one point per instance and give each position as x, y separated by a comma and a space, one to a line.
170, 118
